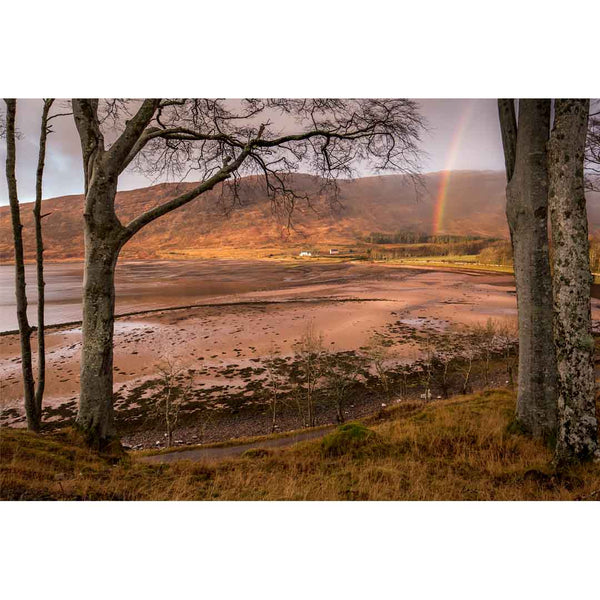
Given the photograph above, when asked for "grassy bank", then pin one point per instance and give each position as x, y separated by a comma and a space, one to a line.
460, 262
458, 449
469, 262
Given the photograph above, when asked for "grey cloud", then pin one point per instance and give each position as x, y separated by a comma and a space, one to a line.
479, 148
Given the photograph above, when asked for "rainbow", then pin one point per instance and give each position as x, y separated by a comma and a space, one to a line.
440, 202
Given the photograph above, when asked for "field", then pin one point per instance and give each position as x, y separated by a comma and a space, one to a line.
463, 448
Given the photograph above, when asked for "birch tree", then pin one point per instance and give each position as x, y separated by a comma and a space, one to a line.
39, 254
33, 392
525, 156
221, 141
310, 357
577, 426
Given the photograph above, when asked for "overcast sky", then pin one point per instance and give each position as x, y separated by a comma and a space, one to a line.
463, 134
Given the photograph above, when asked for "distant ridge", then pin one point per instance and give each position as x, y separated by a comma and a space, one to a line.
474, 206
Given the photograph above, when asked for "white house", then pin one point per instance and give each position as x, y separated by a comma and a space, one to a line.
305, 253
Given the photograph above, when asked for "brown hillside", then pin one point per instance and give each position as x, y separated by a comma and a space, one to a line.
475, 205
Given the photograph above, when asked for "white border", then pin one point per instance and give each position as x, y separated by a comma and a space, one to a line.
446, 49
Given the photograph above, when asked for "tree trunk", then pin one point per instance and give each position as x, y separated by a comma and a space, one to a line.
102, 245
527, 214
465, 386
33, 416
39, 260
340, 410
577, 426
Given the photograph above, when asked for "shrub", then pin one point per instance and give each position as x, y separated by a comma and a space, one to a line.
351, 439
257, 453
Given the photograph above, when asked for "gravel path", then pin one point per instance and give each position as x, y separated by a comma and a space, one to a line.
219, 453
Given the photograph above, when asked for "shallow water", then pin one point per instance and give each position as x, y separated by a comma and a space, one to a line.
156, 284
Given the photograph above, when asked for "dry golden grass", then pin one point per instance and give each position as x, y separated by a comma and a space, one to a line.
459, 449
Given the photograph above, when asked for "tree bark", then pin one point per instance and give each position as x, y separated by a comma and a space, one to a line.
577, 426
527, 215
39, 260
33, 416
102, 239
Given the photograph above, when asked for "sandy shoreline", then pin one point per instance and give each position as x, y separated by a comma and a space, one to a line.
232, 333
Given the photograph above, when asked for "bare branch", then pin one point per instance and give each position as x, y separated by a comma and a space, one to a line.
119, 153
150, 215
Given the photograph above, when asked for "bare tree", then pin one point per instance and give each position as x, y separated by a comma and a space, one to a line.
424, 369
221, 140
486, 341
468, 352
342, 370
577, 426
39, 254
443, 361
33, 393
33, 418
445, 358
381, 355
275, 366
527, 213
465, 365
310, 354
507, 336
175, 388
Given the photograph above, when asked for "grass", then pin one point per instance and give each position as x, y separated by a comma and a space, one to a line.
457, 449
460, 262
468, 261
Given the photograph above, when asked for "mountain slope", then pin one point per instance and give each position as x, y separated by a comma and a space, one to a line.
474, 205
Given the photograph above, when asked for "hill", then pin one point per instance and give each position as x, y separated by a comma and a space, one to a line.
474, 206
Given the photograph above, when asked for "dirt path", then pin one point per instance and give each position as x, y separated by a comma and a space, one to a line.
222, 452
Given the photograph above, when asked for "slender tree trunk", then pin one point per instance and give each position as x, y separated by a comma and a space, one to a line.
527, 214
169, 428
103, 241
33, 417
340, 410
465, 386
577, 425
39, 248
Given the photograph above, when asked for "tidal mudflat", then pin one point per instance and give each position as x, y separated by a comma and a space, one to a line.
219, 320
